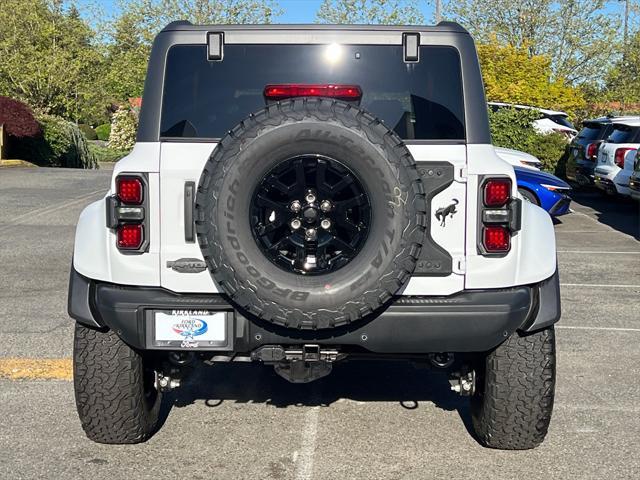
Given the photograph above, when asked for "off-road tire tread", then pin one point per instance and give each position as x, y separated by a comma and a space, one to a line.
247, 295
109, 391
513, 408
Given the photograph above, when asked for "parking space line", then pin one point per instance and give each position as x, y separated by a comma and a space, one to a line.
304, 458
578, 231
49, 209
36, 368
607, 227
599, 285
607, 329
597, 251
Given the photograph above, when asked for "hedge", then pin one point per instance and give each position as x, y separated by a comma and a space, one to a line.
512, 128
106, 154
61, 144
88, 131
103, 131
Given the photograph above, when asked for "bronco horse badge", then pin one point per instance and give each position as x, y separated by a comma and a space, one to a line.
443, 212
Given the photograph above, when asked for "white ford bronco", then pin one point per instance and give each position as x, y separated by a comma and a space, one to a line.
304, 195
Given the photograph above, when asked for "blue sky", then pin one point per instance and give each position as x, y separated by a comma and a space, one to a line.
294, 11
303, 11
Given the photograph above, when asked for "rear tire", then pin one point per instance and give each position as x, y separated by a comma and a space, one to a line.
115, 394
512, 407
529, 196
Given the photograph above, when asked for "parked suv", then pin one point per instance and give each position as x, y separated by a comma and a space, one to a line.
616, 157
634, 179
304, 195
583, 151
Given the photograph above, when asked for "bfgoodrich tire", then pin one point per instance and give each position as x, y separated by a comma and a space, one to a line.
512, 407
368, 150
115, 394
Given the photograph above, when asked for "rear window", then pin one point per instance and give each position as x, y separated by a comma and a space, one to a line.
560, 120
623, 134
591, 131
420, 101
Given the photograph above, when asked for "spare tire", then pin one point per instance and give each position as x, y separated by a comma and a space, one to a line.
310, 214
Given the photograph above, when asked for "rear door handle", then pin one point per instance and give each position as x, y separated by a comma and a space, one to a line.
189, 200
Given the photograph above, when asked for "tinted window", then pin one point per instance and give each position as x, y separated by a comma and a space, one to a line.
561, 120
204, 99
622, 134
591, 131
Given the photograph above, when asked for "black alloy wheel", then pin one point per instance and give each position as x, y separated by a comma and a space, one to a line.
310, 215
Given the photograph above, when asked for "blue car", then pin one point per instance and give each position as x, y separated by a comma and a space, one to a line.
544, 189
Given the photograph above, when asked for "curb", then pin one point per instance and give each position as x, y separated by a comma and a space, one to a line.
16, 163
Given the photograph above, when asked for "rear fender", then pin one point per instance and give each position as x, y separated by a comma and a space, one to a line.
95, 255
532, 257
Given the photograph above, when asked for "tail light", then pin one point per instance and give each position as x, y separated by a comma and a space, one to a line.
129, 236
499, 216
497, 192
497, 239
618, 158
129, 190
126, 213
290, 90
592, 150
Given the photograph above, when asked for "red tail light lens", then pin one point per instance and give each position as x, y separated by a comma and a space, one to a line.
620, 154
592, 151
129, 236
497, 192
342, 92
496, 239
129, 190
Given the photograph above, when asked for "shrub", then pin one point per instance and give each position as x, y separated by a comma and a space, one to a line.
106, 154
124, 125
61, 144
512, 128
88, 131
103, 131
17, 118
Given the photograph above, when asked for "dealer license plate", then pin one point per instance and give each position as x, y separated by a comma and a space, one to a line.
190, 328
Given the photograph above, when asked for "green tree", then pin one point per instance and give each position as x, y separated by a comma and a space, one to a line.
47, 56
580, 36
512, 75
130, 35
386, 12
622, 80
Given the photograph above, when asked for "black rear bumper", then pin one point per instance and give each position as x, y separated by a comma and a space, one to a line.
470, 321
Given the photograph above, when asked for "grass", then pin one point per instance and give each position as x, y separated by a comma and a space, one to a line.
106, 154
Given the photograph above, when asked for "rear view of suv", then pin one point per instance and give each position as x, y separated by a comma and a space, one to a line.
616, 157
300, 196
583, 151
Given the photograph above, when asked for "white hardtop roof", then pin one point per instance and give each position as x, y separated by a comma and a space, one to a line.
529, 107
630, 122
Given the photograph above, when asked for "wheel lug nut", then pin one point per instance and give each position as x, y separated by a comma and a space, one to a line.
310, 234
310, 198
325, 206
295, 206
296, 224
325, 223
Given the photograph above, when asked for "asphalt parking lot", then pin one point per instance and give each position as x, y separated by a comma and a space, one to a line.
382, 421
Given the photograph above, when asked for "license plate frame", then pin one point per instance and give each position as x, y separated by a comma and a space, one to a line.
189, 329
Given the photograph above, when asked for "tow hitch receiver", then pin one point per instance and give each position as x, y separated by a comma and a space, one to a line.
463, 382
298, 365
